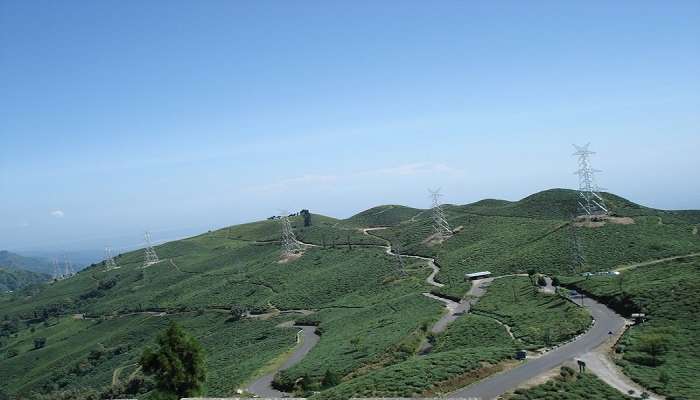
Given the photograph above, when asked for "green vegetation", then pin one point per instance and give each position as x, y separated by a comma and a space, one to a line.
13, 261
15, 279
535, 318
535, 233
663, 353
570, 385
177, 364
93, 327
472, 347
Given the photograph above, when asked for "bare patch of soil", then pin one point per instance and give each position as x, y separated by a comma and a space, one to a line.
285, 258
586, 221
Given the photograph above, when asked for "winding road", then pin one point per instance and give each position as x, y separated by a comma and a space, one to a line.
606, 321
306, 340
607, 326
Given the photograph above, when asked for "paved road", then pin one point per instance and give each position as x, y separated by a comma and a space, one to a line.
262, 387
490, 388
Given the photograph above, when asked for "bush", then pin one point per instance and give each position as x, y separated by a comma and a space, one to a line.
39, 343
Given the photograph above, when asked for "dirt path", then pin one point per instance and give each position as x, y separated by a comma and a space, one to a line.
652, 262
604, 368
431, 261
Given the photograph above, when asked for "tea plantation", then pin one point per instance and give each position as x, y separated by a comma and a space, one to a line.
82, 336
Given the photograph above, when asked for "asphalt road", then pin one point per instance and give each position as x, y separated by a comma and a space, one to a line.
490, 388
262, 387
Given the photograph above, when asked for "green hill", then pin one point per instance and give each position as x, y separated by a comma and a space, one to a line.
372, 318
14, 279
11, 260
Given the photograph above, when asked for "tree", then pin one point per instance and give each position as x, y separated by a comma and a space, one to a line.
39, 342
653, 344
177, 364
531, 274
307, 217
237, 312
330, 379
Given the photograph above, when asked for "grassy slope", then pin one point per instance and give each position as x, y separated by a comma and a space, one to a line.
354, 291
468, 345
14, 279
534, 233
536, 319
570, 386
668, 293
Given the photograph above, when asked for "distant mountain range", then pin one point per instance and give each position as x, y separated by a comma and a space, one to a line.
14, 279
14, 261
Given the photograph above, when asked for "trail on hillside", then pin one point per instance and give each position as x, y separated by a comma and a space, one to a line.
653, 262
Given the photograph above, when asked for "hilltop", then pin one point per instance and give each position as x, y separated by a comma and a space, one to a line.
347, 282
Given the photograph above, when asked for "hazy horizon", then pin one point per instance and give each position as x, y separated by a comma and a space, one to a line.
123, 117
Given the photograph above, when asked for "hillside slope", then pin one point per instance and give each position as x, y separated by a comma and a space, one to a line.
11, 260
98, 322
14, 279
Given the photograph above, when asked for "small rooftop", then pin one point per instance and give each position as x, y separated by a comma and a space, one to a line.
478, 274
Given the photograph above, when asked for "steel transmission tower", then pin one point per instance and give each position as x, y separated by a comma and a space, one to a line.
590, 201
290, 245
67, 268
109, 259
396, 246
56, 270
150, 254
440, 225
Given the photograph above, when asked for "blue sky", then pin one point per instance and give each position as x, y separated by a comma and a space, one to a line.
178, 116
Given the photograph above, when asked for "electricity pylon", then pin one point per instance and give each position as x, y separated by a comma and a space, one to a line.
589, 199
56, 270
440, 225
67, 267
150, 254
290, 245
109, 259
396, 246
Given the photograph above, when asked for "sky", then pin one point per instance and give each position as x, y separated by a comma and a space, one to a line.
176, 117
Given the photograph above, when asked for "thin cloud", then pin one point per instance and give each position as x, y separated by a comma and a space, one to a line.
57, 214
290, 183
411, 169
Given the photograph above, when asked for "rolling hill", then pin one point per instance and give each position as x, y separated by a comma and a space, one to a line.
372, 318
14, 279
11, 260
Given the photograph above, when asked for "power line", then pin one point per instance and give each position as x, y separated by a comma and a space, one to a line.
440, 225
109, 259
150, 254
590, 200
290, 245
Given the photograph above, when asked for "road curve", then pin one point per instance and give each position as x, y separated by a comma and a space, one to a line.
262, 387
605, 321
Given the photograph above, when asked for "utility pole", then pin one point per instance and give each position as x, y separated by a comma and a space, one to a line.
290, 245
440, 225
150, 254
109, 259
590, 200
